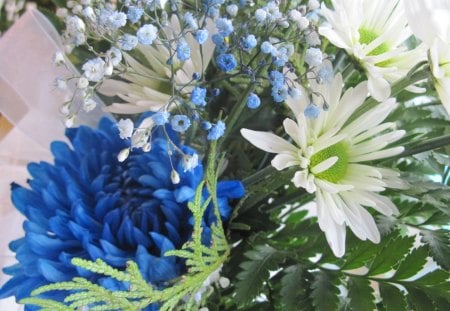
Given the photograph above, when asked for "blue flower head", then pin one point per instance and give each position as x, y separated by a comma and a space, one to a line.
198, 96
216, 131
201, 36
226, 62
134, 14
183, 50
89, 205
253, 101
224, 26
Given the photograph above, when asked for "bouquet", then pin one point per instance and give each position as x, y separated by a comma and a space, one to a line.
252, 155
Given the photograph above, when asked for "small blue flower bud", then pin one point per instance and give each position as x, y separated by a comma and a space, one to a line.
253, 101
312, 111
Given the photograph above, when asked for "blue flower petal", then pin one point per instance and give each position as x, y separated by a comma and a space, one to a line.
54, 271
162, 243
184, 194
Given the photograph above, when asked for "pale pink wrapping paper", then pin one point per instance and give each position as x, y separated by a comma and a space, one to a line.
31, 102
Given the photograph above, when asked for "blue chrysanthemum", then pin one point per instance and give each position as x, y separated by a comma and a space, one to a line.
89, 205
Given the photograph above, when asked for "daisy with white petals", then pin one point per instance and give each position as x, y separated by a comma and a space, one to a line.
373, 32
330, 154
430, 22
147, 87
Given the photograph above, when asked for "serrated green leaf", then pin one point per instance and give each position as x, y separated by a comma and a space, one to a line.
291, 288
392, 298
433, 278
418, 300
390, 255
363, 252
324, 292
361, 294
412, 264
439, 244
262, 259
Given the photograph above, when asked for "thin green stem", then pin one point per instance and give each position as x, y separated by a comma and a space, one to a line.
397, 87
258, 176
426, 145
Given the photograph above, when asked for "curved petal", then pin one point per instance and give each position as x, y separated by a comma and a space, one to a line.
268, 142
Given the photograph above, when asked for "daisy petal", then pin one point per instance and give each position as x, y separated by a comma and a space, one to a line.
268, 142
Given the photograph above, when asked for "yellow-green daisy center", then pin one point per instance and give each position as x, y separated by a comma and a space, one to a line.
339, 169
366, 36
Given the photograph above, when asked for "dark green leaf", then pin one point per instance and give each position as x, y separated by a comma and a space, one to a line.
433, 278
361, 294
324, 293
391, 254
255, 271
439, 244
418, 300
292, 288
393, 298
412, 264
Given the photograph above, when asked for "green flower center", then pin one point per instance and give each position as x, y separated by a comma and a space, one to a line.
339, 169
366, 36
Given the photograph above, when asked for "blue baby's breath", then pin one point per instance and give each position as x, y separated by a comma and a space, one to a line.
312, 111
253, 101
180, 123
224, 26
147, 34
226, 62
249, 42
161, 117
127, 42
276, 79
183, 50
201, 36
198, 96
216, 131
134, 14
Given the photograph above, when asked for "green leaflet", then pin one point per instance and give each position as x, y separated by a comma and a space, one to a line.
324, 291
255, 271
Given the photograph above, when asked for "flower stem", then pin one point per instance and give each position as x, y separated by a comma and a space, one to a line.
258, 176
426, 145
397, 87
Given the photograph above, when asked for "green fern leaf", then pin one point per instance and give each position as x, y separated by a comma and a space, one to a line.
292, 288
412, 264
263, 259
439, 244
391, 254
324, 292
418, 300
393, 298
361, 294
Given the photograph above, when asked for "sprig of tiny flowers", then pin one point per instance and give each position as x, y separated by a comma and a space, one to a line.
265, 51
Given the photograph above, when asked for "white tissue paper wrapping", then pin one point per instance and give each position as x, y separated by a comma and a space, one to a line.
31, 102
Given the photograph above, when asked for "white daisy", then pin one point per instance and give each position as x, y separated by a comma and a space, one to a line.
373, 32
147, 87
430, 22
329, 152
